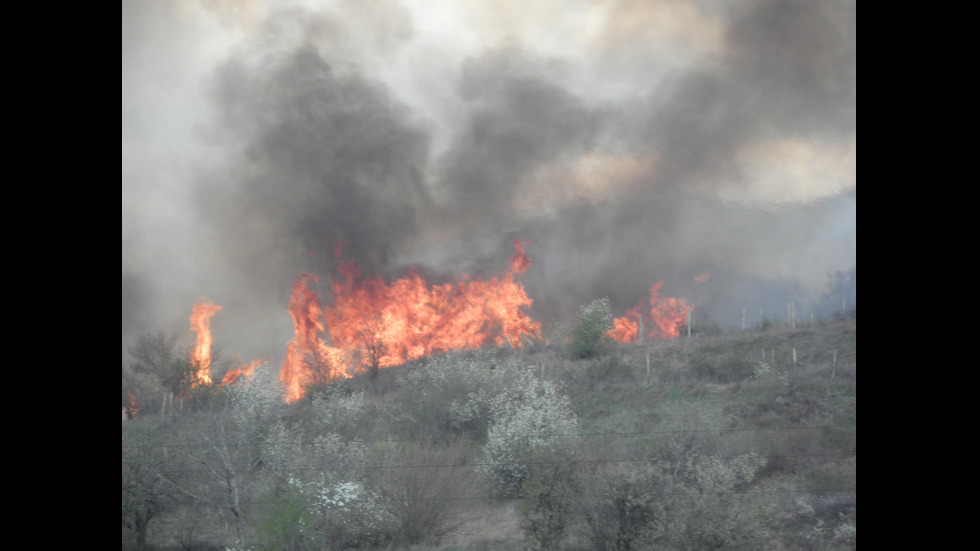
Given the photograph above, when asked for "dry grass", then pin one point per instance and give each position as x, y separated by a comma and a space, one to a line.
488, 526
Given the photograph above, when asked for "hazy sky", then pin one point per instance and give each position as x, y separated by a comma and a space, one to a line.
630, 141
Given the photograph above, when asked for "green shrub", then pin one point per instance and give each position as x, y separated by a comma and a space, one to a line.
589, 336
283, 524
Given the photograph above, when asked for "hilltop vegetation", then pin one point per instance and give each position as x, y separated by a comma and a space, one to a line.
731, 440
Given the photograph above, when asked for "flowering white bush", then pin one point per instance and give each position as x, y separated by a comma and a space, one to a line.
257, 399
329, 475
494, 398
465, 382
339, 413
348, 513
528, 414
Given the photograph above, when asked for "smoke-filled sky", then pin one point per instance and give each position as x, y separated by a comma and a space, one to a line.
630, 141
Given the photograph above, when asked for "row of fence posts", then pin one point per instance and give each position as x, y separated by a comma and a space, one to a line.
791, 315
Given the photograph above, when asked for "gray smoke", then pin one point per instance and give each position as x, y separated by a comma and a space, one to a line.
633, 164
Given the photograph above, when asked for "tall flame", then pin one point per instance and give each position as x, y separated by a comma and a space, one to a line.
663, 319
201, 354
304, 308
372, 323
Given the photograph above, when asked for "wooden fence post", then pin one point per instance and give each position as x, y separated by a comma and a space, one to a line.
648, 369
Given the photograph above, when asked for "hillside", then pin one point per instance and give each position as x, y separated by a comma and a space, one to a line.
736, 440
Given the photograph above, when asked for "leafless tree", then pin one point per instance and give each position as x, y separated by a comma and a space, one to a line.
146, 493
225, 448
158, 356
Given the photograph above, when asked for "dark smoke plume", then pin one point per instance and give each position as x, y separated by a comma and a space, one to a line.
649, 155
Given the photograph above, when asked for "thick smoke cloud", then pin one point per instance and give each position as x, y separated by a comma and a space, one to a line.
323, 158
630, 142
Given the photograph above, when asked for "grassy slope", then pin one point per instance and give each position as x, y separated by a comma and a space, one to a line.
714, 393
709, 393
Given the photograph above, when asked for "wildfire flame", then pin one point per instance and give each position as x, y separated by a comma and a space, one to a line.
233, 375
663, 319
201, 354
133, 408
307, 356
372, 323
200, 319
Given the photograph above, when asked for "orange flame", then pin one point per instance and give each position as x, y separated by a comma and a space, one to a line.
626, 328
519, 263
304, 308
373, 323
133, 408
664, 319
201, 355
233, 375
